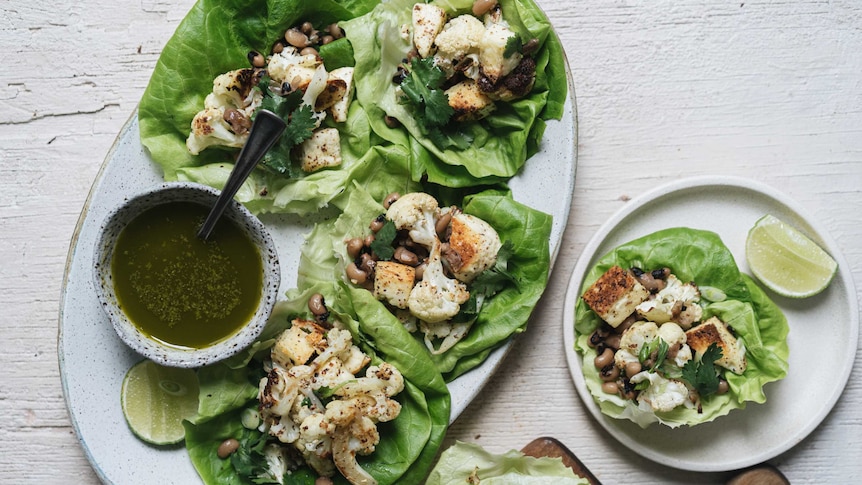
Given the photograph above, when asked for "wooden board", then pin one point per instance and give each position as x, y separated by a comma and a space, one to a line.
551, 447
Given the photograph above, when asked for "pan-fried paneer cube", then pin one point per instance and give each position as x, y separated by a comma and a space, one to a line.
468, 101
714, 331
296, 345
615, 295
322, 150
473, 247
339, 109
428, 21
393, 282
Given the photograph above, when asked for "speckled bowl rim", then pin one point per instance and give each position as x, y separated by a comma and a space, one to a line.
153, 349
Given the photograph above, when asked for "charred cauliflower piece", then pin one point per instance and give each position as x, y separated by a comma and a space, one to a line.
436, 297
209, 128
235, 89
492, 50
327, 436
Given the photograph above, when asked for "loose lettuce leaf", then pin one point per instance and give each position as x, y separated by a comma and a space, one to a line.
503, 141
407, 445
324, 258
464, 460
699, 256
213, 38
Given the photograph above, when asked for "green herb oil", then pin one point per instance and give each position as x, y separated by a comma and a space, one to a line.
182, 290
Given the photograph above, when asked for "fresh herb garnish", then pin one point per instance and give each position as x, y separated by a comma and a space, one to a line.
424, 95
701, 374
494, 279
249, 459
490, 282
422, 88
300, 125
513, 46
657, 346
382, 243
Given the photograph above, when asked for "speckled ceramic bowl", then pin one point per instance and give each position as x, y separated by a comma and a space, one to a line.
154, 349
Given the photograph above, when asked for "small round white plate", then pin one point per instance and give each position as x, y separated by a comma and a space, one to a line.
824, 329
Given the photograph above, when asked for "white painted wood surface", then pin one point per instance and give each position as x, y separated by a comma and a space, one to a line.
767, 90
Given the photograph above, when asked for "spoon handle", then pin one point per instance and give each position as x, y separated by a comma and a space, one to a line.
265, 131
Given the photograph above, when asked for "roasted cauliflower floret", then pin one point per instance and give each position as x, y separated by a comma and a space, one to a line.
322, 150
437, 297
330, 436
235, 89
662, 394
459, 39
492, 50
288, 66
428, 21
393, 282
676, 302
473, 247
415, 212
209, 128
632, 340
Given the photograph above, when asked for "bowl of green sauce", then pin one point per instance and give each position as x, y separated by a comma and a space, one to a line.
175, 298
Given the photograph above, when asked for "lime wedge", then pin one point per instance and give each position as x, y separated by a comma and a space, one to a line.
786, 261
156, 399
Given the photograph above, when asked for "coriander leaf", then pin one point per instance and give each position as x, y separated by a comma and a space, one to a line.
513, 46
382, 243
444, 139
701, 374
249, 460
300, 120
423, 93
299, 126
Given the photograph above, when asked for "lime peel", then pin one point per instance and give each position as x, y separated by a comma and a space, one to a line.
156, 399
787, 261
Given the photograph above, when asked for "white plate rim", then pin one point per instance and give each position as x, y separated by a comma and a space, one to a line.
585, 262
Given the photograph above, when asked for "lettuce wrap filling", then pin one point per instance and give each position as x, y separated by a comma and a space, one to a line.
408, 444
700, 257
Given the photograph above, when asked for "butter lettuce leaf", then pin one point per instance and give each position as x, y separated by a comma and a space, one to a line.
502, 142
408, 444
461, 461
701, 257
324, 258
215, 37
